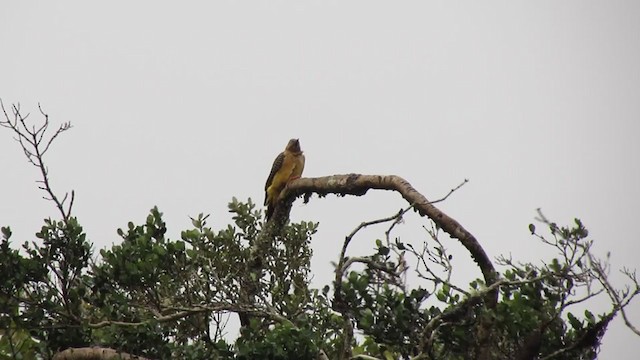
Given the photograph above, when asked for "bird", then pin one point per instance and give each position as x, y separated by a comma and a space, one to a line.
287, 166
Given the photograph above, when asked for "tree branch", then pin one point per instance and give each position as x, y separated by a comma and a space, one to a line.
33, 138
356, 184
186, 312
94, 353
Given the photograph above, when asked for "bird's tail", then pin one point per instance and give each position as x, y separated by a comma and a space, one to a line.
269, 212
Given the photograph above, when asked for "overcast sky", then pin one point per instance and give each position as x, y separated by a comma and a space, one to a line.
184, 105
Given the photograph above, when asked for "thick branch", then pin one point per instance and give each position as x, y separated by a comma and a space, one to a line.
94, 353
356, 184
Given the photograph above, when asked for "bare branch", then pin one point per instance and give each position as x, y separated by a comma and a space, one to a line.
451, 192
340, 268
64, 127
30, 141
618, 303
371, 263
356, 184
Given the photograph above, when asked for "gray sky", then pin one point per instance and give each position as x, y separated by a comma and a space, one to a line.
184, 106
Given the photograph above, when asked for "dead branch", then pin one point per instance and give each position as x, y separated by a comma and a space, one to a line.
356, 184
30, 140
619, 300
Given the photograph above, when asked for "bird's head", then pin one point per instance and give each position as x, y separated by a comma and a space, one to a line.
294, 146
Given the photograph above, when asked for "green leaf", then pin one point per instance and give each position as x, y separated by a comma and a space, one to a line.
367, 318
388, 355
325, 290
589, 315
575, 323
446, 288
6, 232
159, 249
180, 245
532, 228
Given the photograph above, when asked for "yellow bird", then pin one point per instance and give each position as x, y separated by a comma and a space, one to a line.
287, 166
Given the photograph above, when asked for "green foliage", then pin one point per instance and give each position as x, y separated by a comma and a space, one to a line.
205, 267
45, 289
396, 320
54, 297
282, 342
147, 277
391, 318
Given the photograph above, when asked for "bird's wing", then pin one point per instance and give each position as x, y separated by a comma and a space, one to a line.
302, 160
277, 164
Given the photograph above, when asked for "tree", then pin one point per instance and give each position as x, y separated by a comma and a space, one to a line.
157, 298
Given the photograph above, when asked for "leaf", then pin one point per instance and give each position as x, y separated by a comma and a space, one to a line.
180, 245
159, 249
388, 355
325, 290
446, 288
6, 232
532, 228
589, 315
575, 323
367, 318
